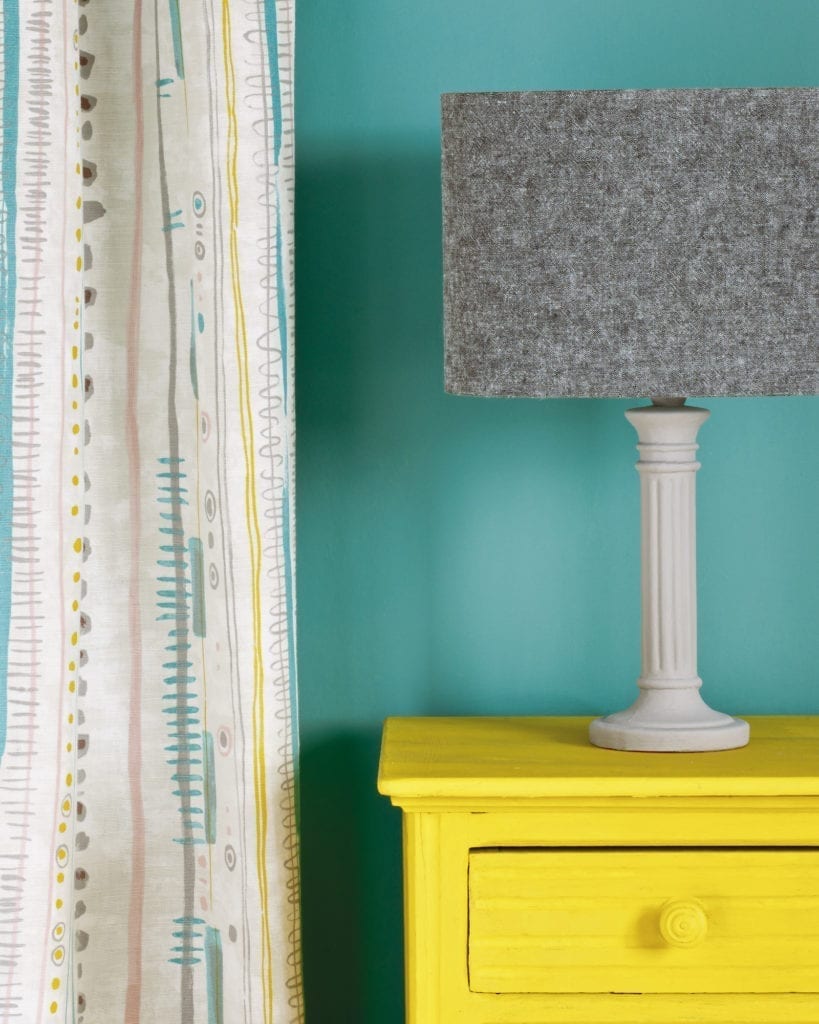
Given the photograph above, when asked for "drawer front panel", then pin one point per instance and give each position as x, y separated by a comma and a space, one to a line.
644, 921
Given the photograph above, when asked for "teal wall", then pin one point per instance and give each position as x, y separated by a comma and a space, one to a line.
464, 556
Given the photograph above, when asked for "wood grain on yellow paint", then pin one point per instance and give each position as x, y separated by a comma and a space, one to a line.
590, 921
550, 882
530, 757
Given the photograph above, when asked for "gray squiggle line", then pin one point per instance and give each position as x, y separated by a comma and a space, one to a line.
278, 650
188, 859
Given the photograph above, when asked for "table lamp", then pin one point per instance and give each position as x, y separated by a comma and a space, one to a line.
637, 243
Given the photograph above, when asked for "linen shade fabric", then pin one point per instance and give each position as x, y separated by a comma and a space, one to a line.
631, 243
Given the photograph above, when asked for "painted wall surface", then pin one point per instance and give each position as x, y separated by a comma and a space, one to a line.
466, 556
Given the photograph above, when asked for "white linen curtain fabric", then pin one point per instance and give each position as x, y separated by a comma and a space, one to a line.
148, 850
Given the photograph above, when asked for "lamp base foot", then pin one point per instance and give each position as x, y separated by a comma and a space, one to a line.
669, 721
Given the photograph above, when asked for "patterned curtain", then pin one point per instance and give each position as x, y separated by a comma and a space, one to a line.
148, 850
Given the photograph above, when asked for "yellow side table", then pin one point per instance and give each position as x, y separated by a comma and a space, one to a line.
550, 882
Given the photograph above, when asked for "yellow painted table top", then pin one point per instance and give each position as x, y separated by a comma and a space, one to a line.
531, 758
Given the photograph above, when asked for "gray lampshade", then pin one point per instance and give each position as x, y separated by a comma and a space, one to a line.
631, 243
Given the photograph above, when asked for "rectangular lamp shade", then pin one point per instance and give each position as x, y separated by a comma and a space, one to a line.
631, 243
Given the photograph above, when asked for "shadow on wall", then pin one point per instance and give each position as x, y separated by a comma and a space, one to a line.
457, 544
351, 880
368, 266
438, 549
368, 273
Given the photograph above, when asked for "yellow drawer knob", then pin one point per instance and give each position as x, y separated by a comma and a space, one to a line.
683, 923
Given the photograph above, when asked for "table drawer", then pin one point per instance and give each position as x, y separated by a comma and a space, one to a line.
647, 920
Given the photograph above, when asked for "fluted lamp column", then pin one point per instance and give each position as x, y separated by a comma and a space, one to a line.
669, 714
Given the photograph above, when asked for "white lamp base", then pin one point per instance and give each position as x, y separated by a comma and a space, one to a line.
669, 714
669, 720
